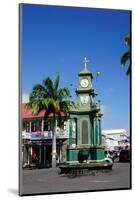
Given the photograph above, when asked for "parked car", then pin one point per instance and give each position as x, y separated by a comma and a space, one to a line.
108, 160
116, 155
109, 154
124, 156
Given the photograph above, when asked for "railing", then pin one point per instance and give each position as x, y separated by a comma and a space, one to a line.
44, 135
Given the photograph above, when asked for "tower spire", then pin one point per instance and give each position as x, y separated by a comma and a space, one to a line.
85, 61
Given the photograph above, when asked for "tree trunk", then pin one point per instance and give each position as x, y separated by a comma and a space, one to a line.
54, 150
54, 144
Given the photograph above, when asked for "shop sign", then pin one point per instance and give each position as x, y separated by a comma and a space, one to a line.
47, 134
36, 134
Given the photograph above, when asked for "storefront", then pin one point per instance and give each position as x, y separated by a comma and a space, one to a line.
38, 153
37, 139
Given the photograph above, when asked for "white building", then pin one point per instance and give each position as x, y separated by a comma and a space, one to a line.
115, 139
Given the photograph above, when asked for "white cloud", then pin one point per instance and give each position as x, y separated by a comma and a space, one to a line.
25, 98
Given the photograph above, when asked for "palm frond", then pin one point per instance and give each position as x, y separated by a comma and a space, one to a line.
56, 82
127, 40
48, 84
127, 55
36, 109
38, 87
128, 72
125, 58
48, 96
64, 93
51, 104
38, 93
66, 105
36, 106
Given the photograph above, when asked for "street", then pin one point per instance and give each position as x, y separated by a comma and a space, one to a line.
49, 181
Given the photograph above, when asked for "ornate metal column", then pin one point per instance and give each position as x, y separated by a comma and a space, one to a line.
96, 131
92, 132
100, 132
78, 132
76, 139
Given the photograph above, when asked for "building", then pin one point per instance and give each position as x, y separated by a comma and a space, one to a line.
37, 138
116, 139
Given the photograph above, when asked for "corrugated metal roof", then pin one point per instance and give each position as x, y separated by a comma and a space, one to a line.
27, 113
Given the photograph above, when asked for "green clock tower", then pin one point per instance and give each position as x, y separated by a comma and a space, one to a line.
85, 139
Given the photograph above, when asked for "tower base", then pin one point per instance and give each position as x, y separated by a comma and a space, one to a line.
85, 160
85, 154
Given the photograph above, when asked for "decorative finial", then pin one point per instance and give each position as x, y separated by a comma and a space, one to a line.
85, 61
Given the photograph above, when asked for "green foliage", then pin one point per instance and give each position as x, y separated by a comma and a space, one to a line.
50, 97
127, 40
126, 56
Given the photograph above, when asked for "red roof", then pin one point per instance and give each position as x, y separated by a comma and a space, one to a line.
27, 113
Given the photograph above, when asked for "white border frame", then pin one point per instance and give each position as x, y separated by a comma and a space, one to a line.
9, 97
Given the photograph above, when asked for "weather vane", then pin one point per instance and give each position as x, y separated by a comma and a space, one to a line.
85, 61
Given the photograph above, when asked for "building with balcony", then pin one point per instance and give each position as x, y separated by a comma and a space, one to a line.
37, 138
115, 139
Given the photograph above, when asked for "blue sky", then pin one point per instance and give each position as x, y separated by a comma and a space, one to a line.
56, 39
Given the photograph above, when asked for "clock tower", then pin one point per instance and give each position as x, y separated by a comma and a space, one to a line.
85, 91
85, 139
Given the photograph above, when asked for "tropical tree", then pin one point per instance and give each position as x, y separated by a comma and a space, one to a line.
48, 96
126, 56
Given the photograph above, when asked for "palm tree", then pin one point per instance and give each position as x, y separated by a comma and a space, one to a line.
54, 100
126, 56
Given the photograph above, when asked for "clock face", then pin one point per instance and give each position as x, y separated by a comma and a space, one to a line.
84, 83
84, 99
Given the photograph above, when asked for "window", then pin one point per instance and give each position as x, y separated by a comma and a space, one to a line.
46, 125
36, 126
28, 126
24, 126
